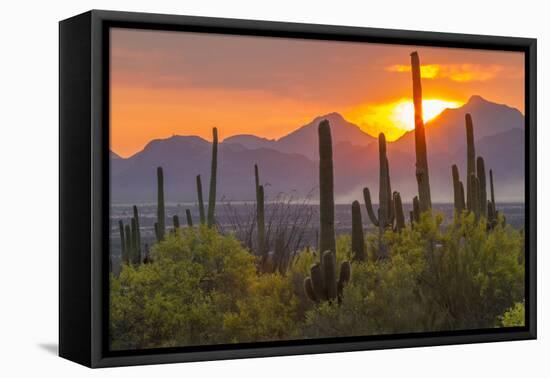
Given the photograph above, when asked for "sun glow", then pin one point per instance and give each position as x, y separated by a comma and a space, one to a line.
402, 113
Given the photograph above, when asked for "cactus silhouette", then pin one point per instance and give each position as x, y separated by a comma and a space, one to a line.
123, 250
422, 174
471, 161
323, 283
480, 166
398, 211
213, 172
327, 241
189, 218
160, 205
176, 222
202, 215
357, 235
137, 236
458, 190
260, 214
416, 209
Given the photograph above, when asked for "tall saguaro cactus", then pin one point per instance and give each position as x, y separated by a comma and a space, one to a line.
213, 172
398, 211
161, 215
202, 215
422, 174
357, 235
327, 241
189, 218
123, 251
260, 214
470, 162
137, 236
480, 166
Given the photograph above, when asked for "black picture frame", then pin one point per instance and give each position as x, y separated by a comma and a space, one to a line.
84, 186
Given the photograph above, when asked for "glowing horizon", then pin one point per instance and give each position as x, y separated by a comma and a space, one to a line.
181, 83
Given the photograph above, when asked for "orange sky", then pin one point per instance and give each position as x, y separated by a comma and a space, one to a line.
166, 83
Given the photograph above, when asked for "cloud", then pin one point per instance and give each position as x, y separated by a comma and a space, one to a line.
456, 72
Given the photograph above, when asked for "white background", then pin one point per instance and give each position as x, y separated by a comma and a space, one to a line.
29, 187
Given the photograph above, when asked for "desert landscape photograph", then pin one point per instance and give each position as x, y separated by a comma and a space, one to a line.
270, 189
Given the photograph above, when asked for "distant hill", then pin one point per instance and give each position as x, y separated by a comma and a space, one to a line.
289, 164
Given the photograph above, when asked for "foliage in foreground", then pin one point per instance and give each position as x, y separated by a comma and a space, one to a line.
204, 288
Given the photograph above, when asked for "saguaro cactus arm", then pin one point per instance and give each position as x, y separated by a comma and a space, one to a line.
471, 160
213, 173
368, 205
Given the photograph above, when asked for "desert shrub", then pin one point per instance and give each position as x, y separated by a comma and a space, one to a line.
181, 298
458, 277
514, 316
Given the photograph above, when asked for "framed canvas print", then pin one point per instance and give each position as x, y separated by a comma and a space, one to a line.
234, 188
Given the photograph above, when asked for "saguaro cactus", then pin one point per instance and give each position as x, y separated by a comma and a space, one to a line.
357, 235
386, 207
213, 173
471, 160
416, 209
323, 283
160, 205
398, 211
480, 166
327, 241
260, 214
137, 236
458, 190
176, 222
422, 174
202, 215
189, 218
123, 251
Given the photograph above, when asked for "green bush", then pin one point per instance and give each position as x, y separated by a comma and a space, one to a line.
204, 288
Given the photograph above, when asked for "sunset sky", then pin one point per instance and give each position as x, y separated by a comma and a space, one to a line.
179, 83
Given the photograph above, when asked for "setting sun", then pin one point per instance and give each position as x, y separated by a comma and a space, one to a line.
402, 113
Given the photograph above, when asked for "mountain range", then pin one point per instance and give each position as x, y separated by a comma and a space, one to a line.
289, 164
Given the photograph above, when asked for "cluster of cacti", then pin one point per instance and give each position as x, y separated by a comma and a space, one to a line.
390, 208
323, 284
213, 171
260, 214
130, 239
476, 182
422, 174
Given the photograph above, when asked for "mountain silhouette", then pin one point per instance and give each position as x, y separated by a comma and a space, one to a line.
303, 140
289, 164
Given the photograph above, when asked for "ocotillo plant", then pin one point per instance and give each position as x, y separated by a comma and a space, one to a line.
422, 174
202, 215
323, 283
189, 218
357, 235
160, 205
213, 172
260, 214
327, 240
